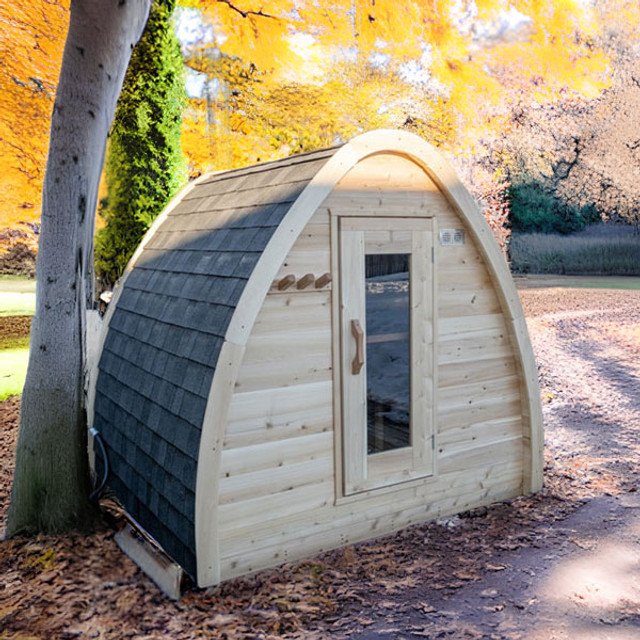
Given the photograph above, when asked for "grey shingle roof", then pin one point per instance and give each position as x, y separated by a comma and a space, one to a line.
166, 333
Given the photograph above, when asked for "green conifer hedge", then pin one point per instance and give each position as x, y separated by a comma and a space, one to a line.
145, 165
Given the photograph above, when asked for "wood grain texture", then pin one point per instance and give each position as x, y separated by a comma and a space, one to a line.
279, 475
207, 523
479, 421
360, 521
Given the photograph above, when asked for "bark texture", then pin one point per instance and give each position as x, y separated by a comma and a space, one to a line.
51, 482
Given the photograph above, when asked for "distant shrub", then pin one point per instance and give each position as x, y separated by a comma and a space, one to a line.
588, 252
535, 210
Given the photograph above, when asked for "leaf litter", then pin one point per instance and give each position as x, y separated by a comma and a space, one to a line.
415, 583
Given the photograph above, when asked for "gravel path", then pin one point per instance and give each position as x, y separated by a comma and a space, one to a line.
587, 345
579, 578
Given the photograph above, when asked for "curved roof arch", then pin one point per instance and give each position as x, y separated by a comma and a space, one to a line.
179, 322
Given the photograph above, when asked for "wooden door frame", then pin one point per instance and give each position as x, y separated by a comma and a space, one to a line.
416, 462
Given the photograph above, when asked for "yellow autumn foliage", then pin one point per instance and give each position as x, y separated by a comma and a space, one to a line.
293, 75
452, 71
32, 35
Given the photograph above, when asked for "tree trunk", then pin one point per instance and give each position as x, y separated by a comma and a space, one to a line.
51, 481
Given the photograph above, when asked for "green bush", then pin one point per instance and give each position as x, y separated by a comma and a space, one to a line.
535, 210
145, 166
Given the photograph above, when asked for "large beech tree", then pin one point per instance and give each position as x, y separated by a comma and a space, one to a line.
51, 482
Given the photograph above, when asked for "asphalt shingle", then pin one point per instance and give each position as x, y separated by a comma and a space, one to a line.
166, 333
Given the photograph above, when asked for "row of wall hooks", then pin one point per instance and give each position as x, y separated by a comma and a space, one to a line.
306, 281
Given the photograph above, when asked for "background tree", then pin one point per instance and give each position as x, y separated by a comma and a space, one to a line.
575, 162
31, 42
51, 480
457, 73
144, 166
305, 75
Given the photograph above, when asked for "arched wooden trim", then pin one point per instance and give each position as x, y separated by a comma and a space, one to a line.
256, 289
208, 477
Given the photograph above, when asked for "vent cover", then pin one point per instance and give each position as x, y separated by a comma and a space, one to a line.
451, 237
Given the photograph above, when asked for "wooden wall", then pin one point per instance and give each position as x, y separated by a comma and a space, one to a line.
278, 497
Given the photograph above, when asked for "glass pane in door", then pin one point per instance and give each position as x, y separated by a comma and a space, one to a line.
387, 304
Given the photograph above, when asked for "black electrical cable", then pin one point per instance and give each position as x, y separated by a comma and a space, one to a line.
96, 492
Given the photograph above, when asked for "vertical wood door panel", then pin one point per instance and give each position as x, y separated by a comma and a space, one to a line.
354, 386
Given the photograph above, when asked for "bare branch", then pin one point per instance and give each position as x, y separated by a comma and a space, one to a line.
246, 14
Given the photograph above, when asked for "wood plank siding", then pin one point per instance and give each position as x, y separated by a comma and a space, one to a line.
279, 498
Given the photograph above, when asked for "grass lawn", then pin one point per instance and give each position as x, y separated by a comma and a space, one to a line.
13, 369
17, 297
579, 282
599, 250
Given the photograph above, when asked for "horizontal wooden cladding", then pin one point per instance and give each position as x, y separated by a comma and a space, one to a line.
475, 301
484, 332
502, 405
453, 442
359, 202
469, 394
452, 327
473, 346
266, 414
290, 344
256, 511
274, 346
285, 538
461, 258
387, 171
314, 422
502, 450
478, 379
290, 312
454, 374
373, 508
300, 262
304, 521
298, 364
276, 454
470, 279
310, 253
271, 481
389, 185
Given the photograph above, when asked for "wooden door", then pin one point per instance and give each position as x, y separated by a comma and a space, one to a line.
387, 295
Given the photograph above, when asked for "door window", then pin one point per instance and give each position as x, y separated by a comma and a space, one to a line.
387, 318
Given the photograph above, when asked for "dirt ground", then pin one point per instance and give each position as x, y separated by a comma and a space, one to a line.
560, 565
13, 327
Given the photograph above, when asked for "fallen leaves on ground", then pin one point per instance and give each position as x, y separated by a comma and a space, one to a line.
82, 586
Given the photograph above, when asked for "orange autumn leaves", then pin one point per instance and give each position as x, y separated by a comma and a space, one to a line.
318, 72
32, 35
452, 69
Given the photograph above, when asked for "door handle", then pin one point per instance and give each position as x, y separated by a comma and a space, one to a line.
358, 334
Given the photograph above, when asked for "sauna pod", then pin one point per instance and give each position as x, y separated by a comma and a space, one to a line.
313, 352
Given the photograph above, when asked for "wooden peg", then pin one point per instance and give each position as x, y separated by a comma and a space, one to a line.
323, 280
306, 281
286, 282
